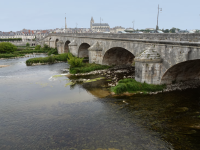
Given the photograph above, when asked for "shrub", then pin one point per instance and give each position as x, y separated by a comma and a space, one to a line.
10, 55
11, 39
6, 47
74, 61
52, 51
37, 47
131, 85
51, 59
46, 47
27, 45
86, 67
62, 57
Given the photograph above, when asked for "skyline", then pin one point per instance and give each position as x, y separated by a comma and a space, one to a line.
51, 14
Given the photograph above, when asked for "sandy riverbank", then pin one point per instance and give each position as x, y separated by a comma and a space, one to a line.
2, 66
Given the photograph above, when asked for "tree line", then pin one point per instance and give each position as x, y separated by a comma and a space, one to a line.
11, 39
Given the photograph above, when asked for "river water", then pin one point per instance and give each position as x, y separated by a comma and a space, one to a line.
40, 109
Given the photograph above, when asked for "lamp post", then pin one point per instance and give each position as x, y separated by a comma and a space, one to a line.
159, 9
100, 23
133, 24
76, 27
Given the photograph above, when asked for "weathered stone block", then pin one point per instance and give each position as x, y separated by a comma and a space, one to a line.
148, 67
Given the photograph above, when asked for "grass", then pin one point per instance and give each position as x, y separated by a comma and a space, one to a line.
29, 51
131, 85
86, 67
49, 59
10, 55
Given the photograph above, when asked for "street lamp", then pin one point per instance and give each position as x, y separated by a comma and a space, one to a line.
159, 9
133, 24
76, 27
100, 23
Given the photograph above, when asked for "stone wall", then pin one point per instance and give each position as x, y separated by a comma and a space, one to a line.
105, 50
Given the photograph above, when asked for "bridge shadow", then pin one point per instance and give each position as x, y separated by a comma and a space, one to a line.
188, 70
118, 56
66, 49
83, 50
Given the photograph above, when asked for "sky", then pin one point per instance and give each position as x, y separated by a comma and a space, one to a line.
16, 15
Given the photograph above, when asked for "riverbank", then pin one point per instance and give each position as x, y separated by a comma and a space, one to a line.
2, 66
117, 73
24, 56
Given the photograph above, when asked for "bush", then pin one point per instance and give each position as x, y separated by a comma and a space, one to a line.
131, 85
86, 67
62, 57
49, 59
27, 45
37, 47
74, 61
6, 47
10, 55
52, 51
11, 39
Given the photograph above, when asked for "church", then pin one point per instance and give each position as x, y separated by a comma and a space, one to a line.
99, 27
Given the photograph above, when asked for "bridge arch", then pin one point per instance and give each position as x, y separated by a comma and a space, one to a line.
66, 46
49, 42
83, 50
184, 71
118, 56
56, 43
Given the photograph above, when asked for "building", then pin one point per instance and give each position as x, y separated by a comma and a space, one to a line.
99, 27
25, 35
117, 29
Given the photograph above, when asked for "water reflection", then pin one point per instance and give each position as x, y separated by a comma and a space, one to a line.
39, 113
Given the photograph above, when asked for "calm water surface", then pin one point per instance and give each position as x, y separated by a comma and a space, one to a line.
39, 110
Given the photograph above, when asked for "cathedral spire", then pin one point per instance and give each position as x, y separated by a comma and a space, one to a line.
91, 22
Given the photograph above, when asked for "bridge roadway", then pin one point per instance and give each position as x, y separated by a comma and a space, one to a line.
159, 58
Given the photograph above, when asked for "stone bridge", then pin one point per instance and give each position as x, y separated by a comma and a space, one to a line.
158, 58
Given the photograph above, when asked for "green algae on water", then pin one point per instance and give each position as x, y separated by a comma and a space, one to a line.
57, 76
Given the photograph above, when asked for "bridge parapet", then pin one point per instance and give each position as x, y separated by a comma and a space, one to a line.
194, 37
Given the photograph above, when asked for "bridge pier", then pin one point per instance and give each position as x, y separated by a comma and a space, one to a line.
148, 67
73, 48
95, 53
60, 47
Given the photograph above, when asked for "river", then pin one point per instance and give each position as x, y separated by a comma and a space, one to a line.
40, 109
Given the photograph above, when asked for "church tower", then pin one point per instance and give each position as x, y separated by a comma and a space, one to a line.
91, 22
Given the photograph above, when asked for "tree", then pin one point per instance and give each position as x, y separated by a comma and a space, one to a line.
27, 45
165, 31
6, 47
173, 30
37, 47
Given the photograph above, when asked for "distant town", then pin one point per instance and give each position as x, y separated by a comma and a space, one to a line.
31, 35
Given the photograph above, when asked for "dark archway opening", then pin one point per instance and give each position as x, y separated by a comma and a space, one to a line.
49, 42
118, 56
188, 70
83, 50
66, 50
56, 43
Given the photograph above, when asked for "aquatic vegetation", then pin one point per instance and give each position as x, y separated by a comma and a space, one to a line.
96, 79
49, 59
56, 76
70, 83
131, 85
87, 67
